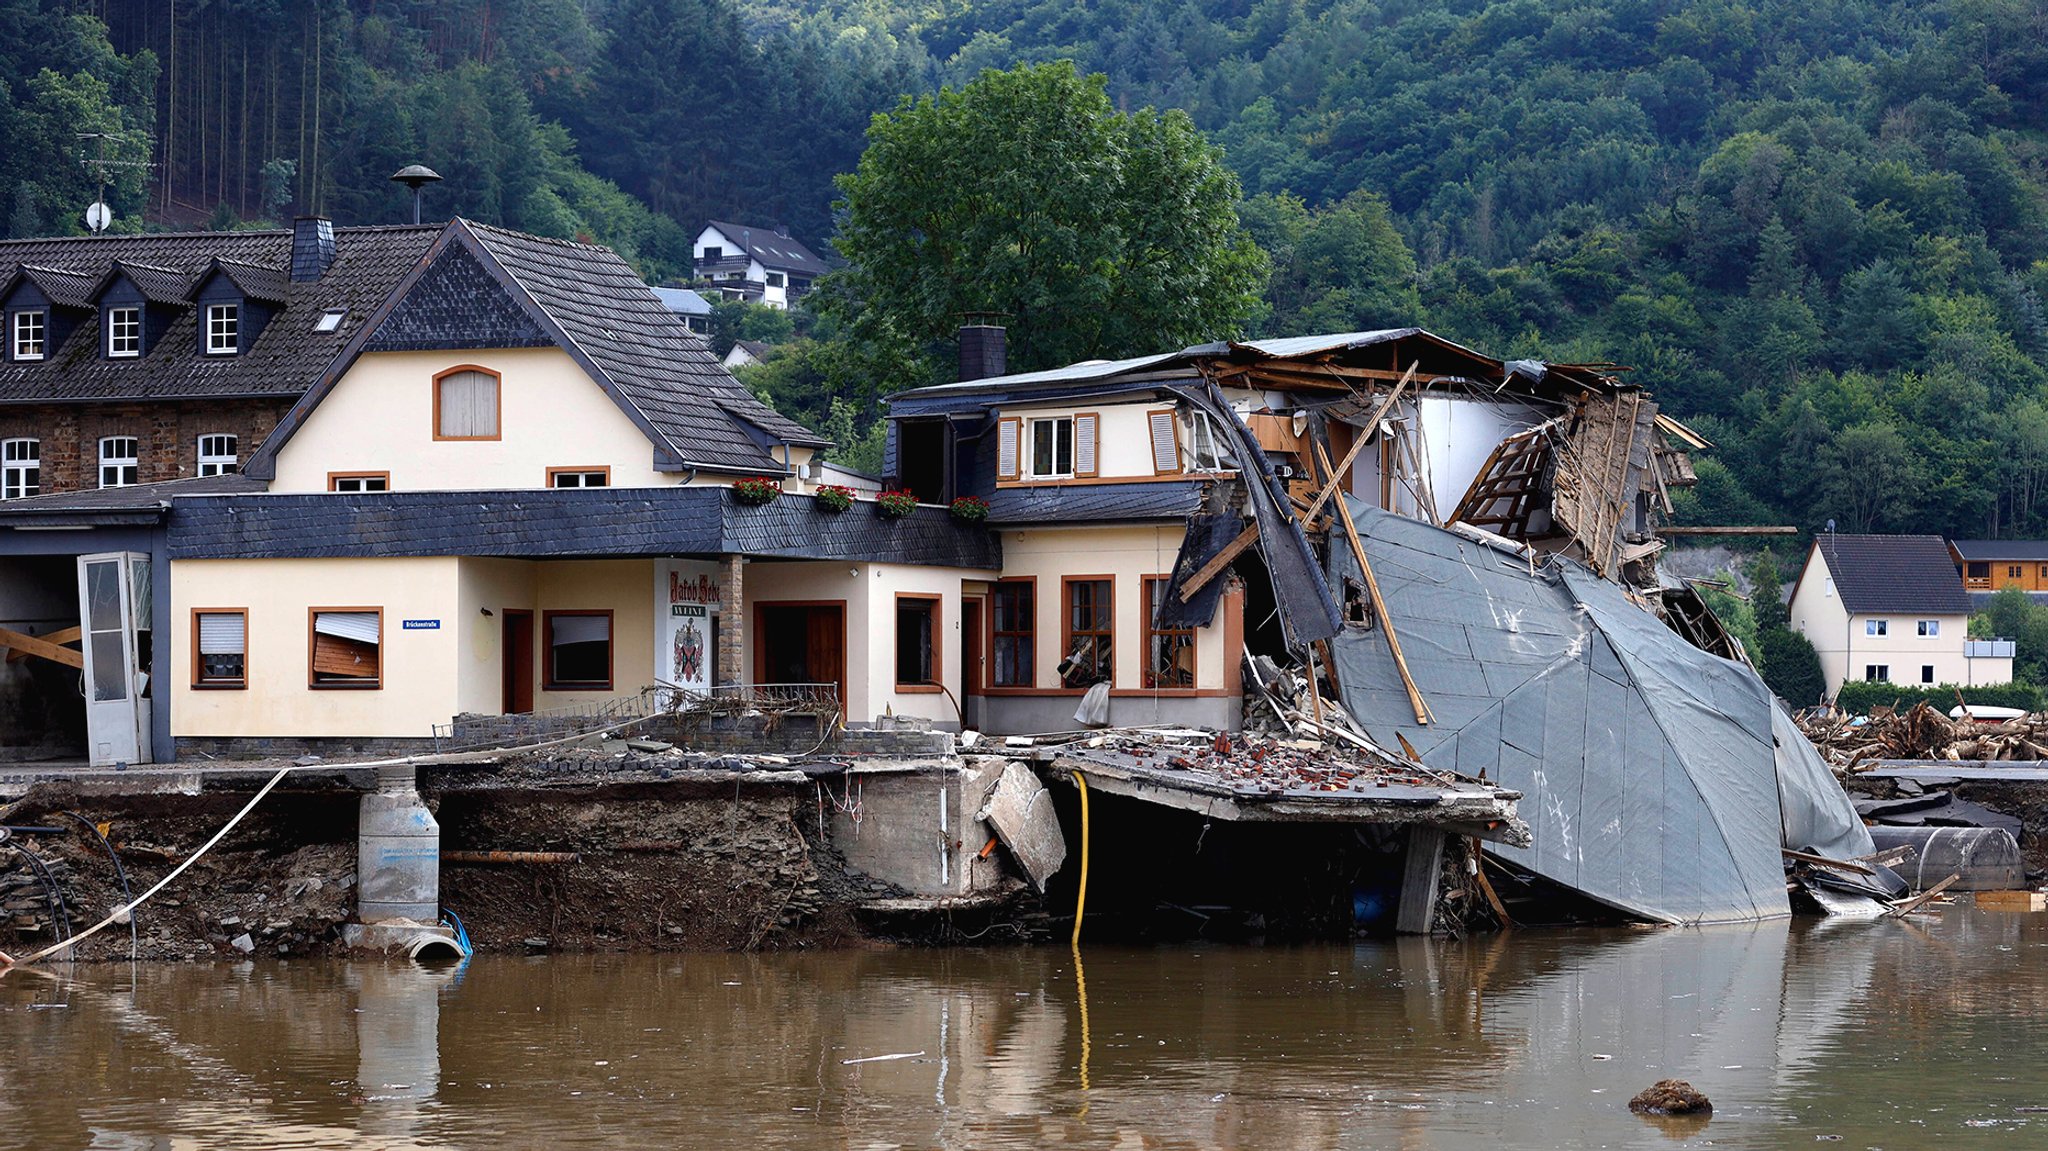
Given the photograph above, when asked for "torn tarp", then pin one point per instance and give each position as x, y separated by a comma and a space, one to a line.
1650, 775
1307, 613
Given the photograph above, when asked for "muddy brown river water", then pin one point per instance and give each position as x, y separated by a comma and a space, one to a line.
1882, 1034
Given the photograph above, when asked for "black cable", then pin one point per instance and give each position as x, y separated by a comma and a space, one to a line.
127, 895
54, 893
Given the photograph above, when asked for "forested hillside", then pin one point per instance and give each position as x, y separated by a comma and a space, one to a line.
1814, 227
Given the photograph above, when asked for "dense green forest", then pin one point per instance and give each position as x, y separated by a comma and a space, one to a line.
1816, 228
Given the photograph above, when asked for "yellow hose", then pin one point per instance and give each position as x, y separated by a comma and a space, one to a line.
1081, 896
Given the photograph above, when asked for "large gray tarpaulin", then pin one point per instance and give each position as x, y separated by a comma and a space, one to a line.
1651, 771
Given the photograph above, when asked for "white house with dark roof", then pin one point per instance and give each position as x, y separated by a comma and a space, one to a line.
1891, 609
763, 264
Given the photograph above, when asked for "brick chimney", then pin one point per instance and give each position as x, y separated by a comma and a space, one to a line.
984, 351
312, 247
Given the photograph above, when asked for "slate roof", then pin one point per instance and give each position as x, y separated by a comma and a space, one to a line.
2018, 551
1095, 503
775, 251
143, 502
1894, 574
257, 281
66, 289
287, 358
566, 524
646, 350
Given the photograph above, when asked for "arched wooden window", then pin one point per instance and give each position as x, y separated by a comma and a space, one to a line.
466, 404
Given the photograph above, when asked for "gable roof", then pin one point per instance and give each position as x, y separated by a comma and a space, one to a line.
773, 249
480, 286
2019, 551
66, 289
1892, 574
285, 360
265, 282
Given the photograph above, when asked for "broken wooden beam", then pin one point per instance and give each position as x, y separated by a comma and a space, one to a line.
1219, 561
1379, 604
1773, 530
41, 648
61, 636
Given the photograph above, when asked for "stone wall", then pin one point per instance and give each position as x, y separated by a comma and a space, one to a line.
167, 435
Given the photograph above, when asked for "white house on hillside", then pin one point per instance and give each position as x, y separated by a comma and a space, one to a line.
764, 265
1891, 609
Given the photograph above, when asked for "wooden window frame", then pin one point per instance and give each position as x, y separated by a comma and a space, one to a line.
602, 469
199, 680
1095, 447
1067, 630
992, 687
937, 601
1150, 630
333, 477
500, 420
548, 682
383, 650
1180, 451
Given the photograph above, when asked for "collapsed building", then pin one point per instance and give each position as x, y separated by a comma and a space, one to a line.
1442, 559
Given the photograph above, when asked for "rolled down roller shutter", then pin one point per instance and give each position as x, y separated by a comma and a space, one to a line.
1085, 425
1165, 442
222, 633
1008, 432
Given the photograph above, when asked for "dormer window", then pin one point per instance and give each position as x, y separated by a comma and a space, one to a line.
223, 329
124, 333
30, 336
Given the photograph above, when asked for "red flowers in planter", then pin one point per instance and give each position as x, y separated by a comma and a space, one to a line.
896, 504
972, 509
757, 490
834, 498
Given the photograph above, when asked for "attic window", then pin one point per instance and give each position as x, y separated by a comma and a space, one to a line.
466, 404
330, 320
30, 333
223, 329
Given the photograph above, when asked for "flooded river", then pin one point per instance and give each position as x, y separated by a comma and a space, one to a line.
1879, 1034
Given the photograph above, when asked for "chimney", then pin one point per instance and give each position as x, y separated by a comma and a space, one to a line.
984, 351
312, 247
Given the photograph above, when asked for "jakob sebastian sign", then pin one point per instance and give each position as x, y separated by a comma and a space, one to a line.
687, 599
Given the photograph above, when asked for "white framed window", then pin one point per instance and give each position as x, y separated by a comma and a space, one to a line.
1926, 673
217, 455
21, 468
1876, 626
1205, 452
359, 481
223, 329
119, 466
1877, 673
580, 477
1052, 448
1930, 627
124, 333
31, 335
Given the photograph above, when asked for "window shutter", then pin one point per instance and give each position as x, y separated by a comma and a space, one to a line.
1165, 442
360, 626
1007, 432
221, 633
1084, 443
469, 405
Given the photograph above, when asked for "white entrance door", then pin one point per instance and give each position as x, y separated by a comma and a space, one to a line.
113, 606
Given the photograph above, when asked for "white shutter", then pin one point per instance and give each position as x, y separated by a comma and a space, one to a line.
580, 629
360, 626
1006, 448
1165, 442
1084, 443
222, 633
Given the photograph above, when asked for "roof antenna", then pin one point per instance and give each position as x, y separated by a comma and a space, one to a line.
416, 177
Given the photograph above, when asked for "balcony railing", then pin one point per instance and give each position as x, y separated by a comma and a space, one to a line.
1988, 649
711, 267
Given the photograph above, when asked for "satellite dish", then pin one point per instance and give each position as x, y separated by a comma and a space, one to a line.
1831, 525
99, 217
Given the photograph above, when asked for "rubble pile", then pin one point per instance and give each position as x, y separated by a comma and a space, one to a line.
1251, 762
1922, 732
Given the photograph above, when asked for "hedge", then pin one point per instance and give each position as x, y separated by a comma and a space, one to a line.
1860, 697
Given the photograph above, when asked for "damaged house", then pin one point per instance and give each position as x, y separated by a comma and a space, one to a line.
1452, 556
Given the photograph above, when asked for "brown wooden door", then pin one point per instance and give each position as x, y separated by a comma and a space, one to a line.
825, 645
970, 646
518, 660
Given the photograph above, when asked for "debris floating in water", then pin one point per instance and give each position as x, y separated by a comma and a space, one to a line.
881, 1058
1671, 1097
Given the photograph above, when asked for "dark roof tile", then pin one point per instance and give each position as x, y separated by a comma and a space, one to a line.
1894, 573
774, 250
1095, 503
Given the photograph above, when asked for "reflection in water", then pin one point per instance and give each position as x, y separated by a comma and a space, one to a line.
1881, 1033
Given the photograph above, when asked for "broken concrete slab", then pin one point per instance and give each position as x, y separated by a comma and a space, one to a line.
1021, 813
